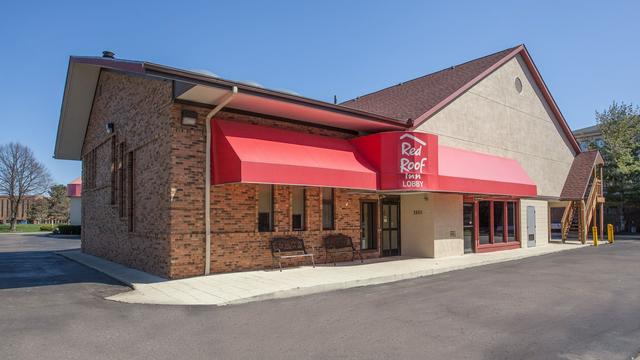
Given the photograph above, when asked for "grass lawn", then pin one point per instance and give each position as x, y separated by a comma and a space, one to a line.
4, 228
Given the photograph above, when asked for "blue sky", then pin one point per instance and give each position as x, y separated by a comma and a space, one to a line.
587, 52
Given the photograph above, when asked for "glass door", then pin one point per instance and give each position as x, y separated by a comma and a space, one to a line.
469, 227
391, 227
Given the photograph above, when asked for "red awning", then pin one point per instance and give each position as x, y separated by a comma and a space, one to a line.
388, 161
259, 154
471, 172
415, 161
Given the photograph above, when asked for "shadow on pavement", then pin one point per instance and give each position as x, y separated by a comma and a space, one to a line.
21, 269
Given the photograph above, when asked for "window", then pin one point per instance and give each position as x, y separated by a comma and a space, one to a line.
511, 221
114, 160
297, 213
484, 221
328, 213
584, 145
498, 221
368, 225
265, 207
518, 84
599, 143
121, 178
130, 190
90, 169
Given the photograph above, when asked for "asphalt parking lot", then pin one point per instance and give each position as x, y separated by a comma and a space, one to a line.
579, 304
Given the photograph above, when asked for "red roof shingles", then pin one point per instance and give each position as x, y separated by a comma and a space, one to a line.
411, 99
577, 181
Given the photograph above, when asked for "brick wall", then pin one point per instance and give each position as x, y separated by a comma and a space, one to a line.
23, 208
242, 247
139, 109
168, 213
236, 243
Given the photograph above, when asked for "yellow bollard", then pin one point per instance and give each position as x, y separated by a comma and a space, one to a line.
610, 235
613, 234
595, 235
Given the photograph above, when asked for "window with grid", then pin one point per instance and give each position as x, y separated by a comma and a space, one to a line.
130, 190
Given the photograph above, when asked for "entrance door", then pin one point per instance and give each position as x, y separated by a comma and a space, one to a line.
469, 228
531, 226
390, 227
368, 225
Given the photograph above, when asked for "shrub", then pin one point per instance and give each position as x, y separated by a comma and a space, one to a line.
46, 227
68, 230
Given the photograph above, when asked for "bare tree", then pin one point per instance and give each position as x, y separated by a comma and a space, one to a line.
21, 174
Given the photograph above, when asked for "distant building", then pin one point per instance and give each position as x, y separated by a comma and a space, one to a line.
625, 215
74, 192
589, 135
23, 208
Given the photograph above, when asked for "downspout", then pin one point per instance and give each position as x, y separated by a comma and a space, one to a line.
207, 178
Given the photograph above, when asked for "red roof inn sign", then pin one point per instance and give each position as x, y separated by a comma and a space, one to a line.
413, 161
404, 160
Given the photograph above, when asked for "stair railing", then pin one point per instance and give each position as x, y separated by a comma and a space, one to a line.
591, 205
567, 218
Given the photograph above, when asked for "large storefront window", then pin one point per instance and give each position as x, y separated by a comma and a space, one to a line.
496, 223
511, 221
484, 222
297, 204
265, 207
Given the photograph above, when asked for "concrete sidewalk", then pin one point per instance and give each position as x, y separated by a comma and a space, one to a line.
241, 287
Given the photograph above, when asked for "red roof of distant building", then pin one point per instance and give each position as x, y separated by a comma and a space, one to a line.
74, 188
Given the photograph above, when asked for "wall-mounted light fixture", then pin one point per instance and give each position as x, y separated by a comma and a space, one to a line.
189, 117
109, 128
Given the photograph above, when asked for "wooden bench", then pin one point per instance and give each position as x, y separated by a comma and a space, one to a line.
340, 243
287, 248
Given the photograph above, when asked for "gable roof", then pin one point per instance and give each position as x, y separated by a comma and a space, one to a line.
579, 175
188, 86
410, 99
419, 99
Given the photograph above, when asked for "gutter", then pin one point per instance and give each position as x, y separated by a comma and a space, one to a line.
207, 177
191, 77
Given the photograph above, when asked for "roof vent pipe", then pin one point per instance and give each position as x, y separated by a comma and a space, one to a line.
108, 54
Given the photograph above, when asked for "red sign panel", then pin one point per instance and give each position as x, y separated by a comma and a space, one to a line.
405, 160
412, 161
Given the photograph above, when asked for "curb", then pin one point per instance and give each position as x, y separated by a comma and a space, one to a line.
57, 236
128, 277
111, 269
302, 291
26, 233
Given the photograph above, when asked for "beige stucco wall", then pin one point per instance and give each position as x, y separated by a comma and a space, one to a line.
431, 225
75, 210
492, 117
542, 221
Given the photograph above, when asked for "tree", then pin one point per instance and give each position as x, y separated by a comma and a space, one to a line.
58, 203
38, 212
620, 126
21, 174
